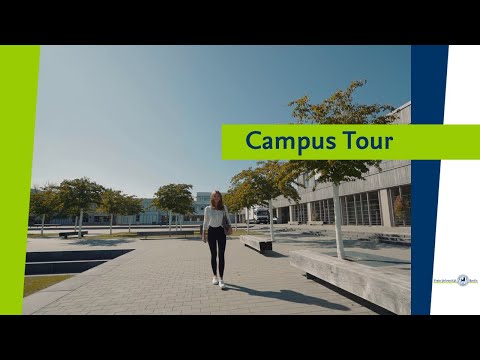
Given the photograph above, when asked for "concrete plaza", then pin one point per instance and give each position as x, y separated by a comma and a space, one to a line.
173, 276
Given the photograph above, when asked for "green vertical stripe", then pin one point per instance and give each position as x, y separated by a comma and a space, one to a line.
18, 96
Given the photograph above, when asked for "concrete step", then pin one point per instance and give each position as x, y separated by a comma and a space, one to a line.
60, 267
74, 255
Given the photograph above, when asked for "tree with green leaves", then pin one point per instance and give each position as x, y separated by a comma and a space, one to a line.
79, 194
339, 108
131, 207
231, 201
174, 198
241, 194
265, 185
399, 208
69, 212
44, 202
112, 203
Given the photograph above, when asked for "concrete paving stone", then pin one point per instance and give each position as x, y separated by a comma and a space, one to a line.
210, 309
190, 312
239, 312
41, 299
181, 308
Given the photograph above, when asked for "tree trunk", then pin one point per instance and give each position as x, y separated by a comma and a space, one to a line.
248, 220
80, 224
43, 222
111, 223
270, 211
176, 222
338, 222
130, 223
236, 227
169, 220
181, 222
76, 222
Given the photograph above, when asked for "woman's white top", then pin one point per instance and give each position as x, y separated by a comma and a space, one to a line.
214, 217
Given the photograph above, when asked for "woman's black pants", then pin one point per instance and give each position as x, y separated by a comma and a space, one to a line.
216, 235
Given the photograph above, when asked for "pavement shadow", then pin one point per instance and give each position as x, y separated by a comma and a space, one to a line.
94, 242
289, 295
274, 254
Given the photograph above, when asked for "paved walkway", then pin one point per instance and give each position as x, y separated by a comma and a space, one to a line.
173, 276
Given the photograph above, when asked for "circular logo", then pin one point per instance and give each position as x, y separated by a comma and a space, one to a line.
463, 280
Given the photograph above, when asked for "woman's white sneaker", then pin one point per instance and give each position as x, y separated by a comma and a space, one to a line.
221, 284
215, 281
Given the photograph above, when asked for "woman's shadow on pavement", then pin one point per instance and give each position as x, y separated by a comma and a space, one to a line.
289, 295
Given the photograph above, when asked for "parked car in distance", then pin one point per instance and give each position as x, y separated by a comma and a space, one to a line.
275, 221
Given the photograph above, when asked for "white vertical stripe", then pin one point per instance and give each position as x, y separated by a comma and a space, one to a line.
457, 243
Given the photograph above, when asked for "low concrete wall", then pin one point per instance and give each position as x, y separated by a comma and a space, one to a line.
257, 243
390, 291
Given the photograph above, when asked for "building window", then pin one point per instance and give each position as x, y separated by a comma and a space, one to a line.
322, 210
400, 203
300, 213
96, 219
316, 211
137, 218
361, 209
374, 204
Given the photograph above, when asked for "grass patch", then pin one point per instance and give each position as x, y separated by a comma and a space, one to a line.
120, 235
33, 284
49, 235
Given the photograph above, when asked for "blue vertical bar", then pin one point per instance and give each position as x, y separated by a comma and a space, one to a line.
429, 75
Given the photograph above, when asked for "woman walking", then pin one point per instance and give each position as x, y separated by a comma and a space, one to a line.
216, 226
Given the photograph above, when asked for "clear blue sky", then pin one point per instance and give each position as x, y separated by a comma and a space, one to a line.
138, 117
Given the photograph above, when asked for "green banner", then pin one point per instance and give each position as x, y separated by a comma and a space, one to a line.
18, 95
350, 142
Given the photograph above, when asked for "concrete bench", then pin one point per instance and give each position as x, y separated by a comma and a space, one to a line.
71, 233
294, 223
388, 290
315, 222
145, 234
257, 243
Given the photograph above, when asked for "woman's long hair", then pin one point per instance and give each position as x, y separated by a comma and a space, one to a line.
220, 203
